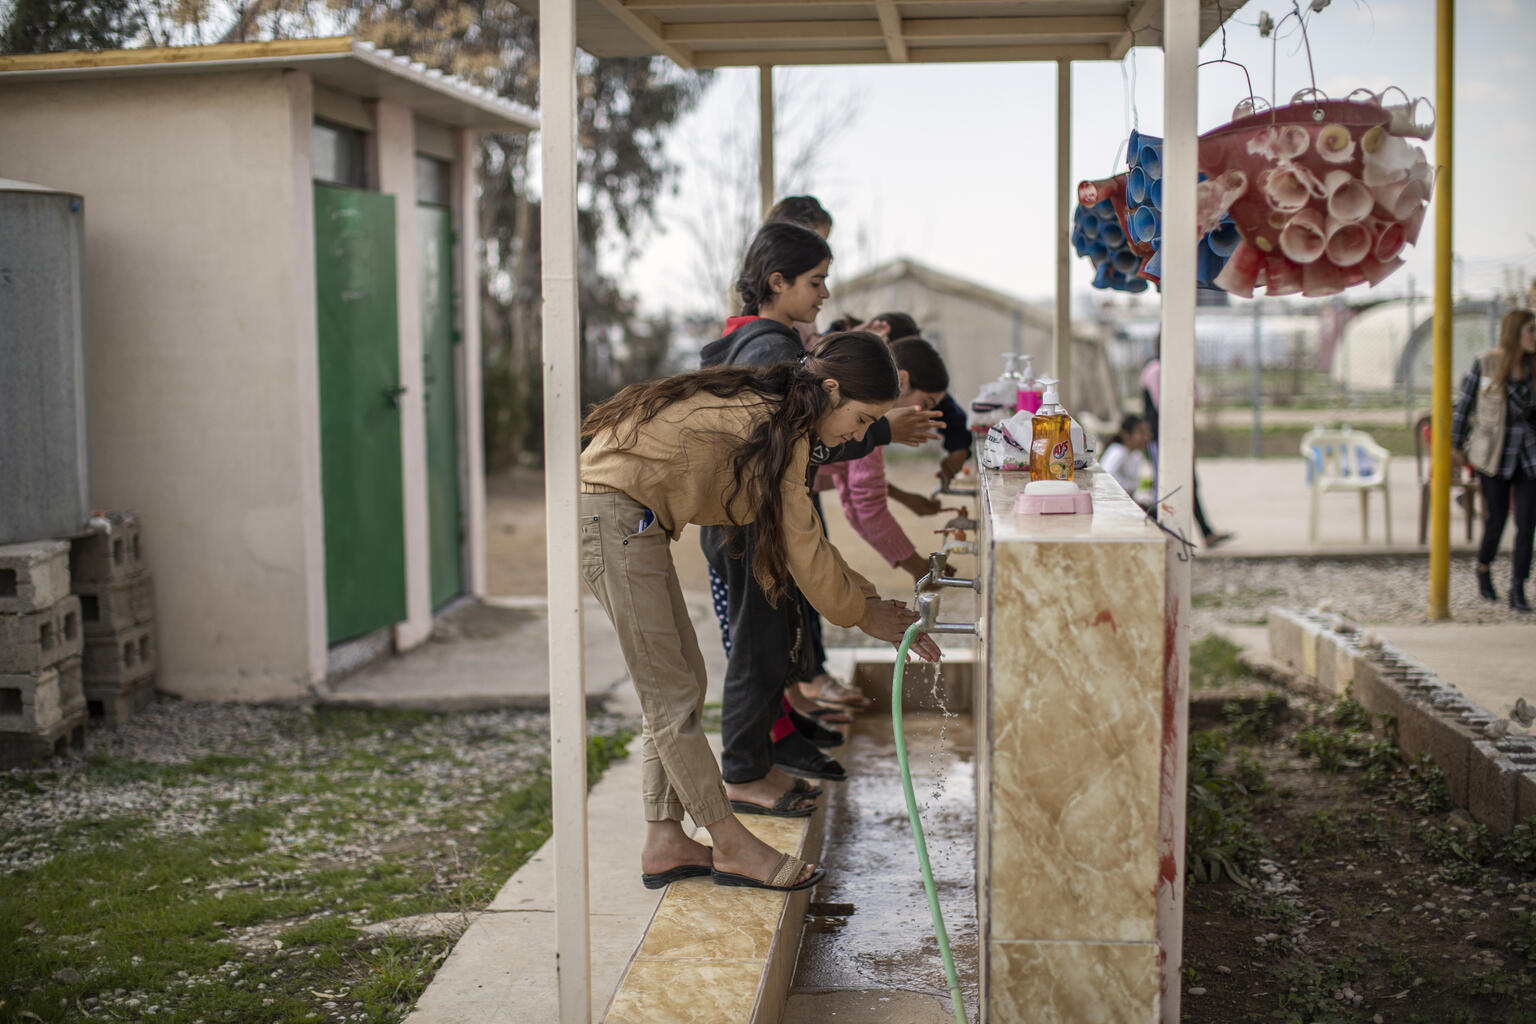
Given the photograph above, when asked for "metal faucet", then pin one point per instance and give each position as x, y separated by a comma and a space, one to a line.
938, 565
945, 488
928, 611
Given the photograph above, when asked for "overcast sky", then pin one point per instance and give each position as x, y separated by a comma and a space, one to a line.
954, 164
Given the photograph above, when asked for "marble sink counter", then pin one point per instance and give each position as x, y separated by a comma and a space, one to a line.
1115, 516
1071, 727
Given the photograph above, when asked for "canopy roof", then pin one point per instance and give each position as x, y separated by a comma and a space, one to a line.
746, 33
341, 63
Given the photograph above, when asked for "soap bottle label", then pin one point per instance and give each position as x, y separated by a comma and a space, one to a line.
1050, 456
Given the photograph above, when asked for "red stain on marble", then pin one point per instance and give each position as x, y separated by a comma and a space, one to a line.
1170, 678
1105, 616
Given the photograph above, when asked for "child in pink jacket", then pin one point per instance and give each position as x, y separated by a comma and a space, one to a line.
861, 483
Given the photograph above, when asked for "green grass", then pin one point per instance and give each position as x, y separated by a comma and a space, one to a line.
1220, 840
1215, 662
253, 915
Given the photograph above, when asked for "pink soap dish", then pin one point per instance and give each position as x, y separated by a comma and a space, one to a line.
1055, 498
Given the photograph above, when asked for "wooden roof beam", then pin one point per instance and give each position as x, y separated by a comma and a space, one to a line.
648, 28
706, 32
689, 5
898, 35
890, 28
1143, 24
872, 55
1031, 29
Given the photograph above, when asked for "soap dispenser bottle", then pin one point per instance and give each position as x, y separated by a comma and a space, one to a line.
1011, 381
1050, 450
1029, 390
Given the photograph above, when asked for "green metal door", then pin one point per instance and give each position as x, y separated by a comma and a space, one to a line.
442, 407
359, 410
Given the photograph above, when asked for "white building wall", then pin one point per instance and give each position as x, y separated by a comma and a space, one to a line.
201, 342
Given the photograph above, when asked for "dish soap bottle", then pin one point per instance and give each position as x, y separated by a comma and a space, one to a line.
1050, 449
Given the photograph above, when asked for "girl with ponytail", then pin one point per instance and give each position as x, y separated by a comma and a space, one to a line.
726, 446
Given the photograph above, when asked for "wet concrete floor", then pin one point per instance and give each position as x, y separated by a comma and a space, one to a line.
869, 953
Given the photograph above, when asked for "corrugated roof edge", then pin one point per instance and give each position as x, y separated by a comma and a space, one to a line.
282, 51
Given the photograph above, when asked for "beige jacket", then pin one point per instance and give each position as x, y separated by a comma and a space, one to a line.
678, 466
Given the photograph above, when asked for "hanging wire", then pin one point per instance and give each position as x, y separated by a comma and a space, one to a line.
1135, 114
1221, 17
1253, 100
1301, 22
1131, 118
1186, 547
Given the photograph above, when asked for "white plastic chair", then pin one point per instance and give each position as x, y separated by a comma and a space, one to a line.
1347, 460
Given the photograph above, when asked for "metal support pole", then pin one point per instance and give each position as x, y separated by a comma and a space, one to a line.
1257, 450
1440, 393
1408, 360
562, 451
765, 136
1061, 330
1176, 466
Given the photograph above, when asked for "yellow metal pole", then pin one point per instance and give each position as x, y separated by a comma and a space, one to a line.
1440, 393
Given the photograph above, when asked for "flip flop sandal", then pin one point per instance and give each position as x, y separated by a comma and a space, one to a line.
814, 731
662, 879
783, 807
837, 714
804, 788
782, 880
836, 693
815, 764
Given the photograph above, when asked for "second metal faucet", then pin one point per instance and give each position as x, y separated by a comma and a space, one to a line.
938, 566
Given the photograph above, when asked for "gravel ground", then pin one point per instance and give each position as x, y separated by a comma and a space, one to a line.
43, 803
1371, 591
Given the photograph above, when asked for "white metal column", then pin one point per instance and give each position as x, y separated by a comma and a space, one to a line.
1061, 344
1176, 461
466, 223
562, 432
765, 137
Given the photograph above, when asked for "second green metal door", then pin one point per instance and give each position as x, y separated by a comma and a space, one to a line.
442, 408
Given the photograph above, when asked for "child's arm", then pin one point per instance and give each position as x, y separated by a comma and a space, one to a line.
916, 502
867, 508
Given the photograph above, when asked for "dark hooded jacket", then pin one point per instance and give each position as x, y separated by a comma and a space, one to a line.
759, 341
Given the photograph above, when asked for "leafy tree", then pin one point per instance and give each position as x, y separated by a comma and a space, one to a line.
48, 26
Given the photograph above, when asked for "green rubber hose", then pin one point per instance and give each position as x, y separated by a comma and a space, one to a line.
913, 631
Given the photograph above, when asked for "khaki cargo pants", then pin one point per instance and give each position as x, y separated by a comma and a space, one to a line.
630, 572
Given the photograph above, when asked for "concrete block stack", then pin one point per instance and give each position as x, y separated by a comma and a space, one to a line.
42, 699
116, 594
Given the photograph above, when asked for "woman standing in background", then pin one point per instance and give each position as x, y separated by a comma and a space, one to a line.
1494, 430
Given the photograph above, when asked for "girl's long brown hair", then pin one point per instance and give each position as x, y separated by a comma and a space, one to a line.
1509, 348
859, 361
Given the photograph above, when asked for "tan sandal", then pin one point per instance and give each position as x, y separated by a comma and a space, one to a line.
782, 880
833, 692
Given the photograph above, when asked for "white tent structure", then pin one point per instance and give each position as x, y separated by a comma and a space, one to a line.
1388, 346
1371, 346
